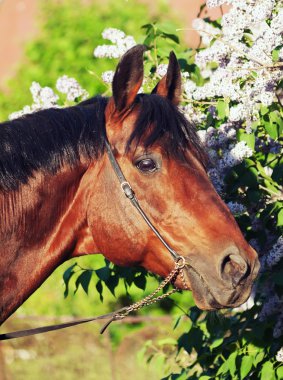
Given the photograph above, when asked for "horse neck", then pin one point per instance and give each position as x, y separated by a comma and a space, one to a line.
39, 230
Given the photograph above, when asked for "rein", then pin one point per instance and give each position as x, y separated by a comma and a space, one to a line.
120, 314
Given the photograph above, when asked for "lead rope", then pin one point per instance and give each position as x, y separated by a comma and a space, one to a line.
151, 299
116, 315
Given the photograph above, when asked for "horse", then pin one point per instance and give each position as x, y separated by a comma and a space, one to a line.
60, 197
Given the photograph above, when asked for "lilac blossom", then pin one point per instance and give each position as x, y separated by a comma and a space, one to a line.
107, 76
121, 44
71, 88
236, 208
279, 355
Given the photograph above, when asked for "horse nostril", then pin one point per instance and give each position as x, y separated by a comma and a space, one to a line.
234, 269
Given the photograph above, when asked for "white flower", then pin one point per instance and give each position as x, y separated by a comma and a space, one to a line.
161, 69
189, 87
241, 151
71, 88
237, 112
215, 3
205, 30
108, 76
112, 34
279, 355
266, 98
15, 115
234, 156
43, 97
193, 114
122, 44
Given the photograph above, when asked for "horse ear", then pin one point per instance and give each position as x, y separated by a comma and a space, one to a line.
170, 86
128, 78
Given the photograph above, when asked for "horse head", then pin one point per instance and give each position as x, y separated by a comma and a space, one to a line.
160, 155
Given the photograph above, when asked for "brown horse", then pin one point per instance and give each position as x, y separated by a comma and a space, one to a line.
60, 198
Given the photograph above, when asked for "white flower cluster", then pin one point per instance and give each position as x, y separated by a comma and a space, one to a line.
108, 76
205, 30
243, 51
43, 97
279, 355
71, 88
121, 44
193, 115
161, 69
224, 151
216, 3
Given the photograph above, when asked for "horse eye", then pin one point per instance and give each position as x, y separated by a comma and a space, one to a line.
147, 165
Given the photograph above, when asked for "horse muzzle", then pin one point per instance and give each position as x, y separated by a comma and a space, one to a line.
230, 288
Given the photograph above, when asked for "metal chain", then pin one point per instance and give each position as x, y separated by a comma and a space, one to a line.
151, 299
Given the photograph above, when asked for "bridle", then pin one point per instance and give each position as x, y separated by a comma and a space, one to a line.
180, 264
129, 193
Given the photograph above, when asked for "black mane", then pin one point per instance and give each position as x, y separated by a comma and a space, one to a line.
47, 139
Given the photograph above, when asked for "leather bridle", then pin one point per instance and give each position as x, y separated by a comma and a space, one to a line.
129, 193
180, 264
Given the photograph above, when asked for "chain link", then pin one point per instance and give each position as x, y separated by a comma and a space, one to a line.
151, 299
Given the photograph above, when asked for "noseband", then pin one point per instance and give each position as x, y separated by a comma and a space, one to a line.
180, 263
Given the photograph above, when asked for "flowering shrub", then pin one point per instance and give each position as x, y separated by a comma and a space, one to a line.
233, 89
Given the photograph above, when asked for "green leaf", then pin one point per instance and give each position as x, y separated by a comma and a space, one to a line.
103, 273
276, 53
280, 218
246, 365
222, 108
249, 138
84, 280
99, 288
140, 281
232, 363
172, 37
177, 322
267, 372
216, 343
259, 358
264, 110
166, 27
279, 372
223, 368
66, 277
274, 126
112, 283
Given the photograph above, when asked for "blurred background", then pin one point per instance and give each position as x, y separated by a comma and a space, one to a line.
41, 40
